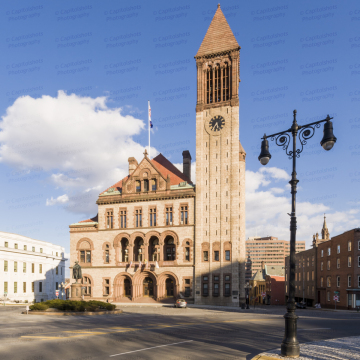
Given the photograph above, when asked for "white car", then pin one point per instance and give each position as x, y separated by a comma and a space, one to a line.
180, 303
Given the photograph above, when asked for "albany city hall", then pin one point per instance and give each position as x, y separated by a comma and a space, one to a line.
157, 236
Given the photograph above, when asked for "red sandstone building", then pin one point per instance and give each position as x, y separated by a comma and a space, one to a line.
275, 290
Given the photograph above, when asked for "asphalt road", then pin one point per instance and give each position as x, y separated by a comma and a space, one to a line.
162, 333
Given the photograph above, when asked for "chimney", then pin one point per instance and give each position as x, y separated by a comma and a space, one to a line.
262, 265
132, 165
187, 164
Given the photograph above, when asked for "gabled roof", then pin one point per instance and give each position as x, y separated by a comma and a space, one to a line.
91, 220
165, 167
218, 37
259, 276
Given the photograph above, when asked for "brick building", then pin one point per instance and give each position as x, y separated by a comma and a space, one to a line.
338, 270
156, 236
269, 249
306, 280
275, 290
260, 285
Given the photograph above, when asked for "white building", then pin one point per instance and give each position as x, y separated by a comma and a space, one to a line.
30, 269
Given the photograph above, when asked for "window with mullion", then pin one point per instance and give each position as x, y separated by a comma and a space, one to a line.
169, 215
153, 217
122, 219
138, 217
109, 219
184, 215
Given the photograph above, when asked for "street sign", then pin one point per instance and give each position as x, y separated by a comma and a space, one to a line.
336, 298
336, 292
57, 293
263, 294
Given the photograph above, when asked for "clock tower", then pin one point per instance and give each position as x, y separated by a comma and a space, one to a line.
220, 171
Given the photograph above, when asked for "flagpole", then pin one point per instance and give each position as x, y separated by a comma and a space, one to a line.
149, 119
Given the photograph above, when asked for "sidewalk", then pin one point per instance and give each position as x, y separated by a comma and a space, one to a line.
342, 348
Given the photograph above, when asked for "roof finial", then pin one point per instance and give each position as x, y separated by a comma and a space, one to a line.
145, 153
219, 6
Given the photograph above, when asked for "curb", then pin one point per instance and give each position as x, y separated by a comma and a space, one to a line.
264, 357
72, 313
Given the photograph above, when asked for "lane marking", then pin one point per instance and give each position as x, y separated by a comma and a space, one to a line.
129, 352
315, 329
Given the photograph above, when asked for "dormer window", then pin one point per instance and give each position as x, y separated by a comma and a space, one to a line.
138, 185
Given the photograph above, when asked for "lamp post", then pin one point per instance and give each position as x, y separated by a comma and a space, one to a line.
290, 345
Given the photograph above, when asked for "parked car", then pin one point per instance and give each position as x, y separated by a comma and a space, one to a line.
180, 303
300, 305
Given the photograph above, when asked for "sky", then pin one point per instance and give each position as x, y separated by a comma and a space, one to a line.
76, 79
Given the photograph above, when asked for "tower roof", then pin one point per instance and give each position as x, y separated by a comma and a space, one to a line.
218, 37
324, 225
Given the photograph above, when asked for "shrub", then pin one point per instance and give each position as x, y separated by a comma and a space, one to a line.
39, 306
71, 305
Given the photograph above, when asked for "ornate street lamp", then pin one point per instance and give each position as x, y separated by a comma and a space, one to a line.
290, 345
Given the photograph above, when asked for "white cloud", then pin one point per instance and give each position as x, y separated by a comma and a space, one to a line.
81, 142
59, 200
267, 209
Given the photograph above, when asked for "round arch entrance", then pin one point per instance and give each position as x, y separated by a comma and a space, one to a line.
168, 286
122, 287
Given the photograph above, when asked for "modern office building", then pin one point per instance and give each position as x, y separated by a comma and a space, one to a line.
30, 270
269, 250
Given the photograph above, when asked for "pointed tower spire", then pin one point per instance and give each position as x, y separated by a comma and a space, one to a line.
218, 37
325, 235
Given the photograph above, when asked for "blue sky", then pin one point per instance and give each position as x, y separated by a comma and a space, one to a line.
59, 151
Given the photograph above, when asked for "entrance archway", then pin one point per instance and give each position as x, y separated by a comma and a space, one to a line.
148, 287
168, 285
123, 287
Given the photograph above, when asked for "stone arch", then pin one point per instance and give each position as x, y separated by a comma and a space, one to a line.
138, 280
119, 286
136, 234
151, 248
163, 290
82, 244
166, 233
118, 237
118, 247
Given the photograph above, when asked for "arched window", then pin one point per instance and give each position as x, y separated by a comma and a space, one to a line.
170, 249
138, 249
209, 85
107, 254
217, 87
225, 83
86, 282
124, 250
85, 252
154, 249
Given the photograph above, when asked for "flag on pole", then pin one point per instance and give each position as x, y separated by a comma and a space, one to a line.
150, 124
130, 264
157, 265
140, 264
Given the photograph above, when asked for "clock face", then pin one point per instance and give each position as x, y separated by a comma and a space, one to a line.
217, 123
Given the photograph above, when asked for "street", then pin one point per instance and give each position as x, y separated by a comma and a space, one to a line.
148, 332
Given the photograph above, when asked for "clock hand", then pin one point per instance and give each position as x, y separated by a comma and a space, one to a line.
216, 125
